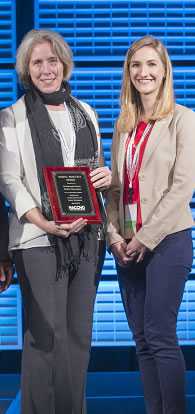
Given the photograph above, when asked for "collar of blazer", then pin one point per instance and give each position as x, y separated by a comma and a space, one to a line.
159, 131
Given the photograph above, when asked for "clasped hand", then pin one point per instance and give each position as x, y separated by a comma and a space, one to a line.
65, 229
127, 252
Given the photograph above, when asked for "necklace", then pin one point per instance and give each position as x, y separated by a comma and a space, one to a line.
64, 132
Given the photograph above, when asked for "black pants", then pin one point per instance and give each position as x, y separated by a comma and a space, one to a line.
152, 292
58, 325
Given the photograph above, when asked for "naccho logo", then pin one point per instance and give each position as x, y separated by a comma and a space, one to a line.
77, 208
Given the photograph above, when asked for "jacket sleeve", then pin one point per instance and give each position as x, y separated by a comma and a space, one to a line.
159, 224
113, 197
3, 231
11, 169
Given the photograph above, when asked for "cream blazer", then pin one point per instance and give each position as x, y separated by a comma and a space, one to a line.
166, 180
18, 173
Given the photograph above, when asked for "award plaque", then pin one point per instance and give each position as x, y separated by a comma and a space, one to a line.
71, 194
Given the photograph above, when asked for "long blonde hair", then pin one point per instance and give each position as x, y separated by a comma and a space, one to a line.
131, 106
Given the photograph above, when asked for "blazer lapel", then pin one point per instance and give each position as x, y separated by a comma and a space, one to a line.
121, 153
159, 132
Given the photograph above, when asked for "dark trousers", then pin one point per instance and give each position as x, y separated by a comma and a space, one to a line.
152, 293
58, 325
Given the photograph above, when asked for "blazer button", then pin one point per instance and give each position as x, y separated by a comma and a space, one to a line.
144, 200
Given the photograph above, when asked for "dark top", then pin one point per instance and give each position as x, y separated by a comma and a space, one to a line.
4, 235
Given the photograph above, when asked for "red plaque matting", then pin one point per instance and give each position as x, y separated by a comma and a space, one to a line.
71, 194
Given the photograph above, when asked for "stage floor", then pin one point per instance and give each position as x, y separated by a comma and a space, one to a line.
113, 392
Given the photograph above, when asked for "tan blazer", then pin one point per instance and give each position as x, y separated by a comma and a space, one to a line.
166, 180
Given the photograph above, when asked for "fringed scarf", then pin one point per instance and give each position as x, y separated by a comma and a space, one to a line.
48, 152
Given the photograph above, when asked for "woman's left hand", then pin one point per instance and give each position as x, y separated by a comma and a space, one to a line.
101, 177
136, 250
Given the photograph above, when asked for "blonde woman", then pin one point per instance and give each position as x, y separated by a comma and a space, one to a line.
56, 264
149, 219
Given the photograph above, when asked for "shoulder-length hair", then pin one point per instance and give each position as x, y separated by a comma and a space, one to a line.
30, 40
131, 106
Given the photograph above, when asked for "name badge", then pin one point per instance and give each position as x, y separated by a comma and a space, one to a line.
130, 217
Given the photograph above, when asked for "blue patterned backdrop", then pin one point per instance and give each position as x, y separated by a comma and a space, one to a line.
99, 33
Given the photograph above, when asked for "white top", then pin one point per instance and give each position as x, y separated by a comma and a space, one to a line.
63, 124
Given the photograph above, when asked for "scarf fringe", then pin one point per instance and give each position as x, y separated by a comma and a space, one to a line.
73, 248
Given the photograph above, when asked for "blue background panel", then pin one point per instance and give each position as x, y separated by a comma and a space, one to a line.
8, 88
99, 29
99, 33
7, 31
10, 319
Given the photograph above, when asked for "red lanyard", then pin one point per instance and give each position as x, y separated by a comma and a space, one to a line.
133, 154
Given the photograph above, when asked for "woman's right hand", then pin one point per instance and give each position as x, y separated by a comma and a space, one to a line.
35, 216
119, 251
65, 229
